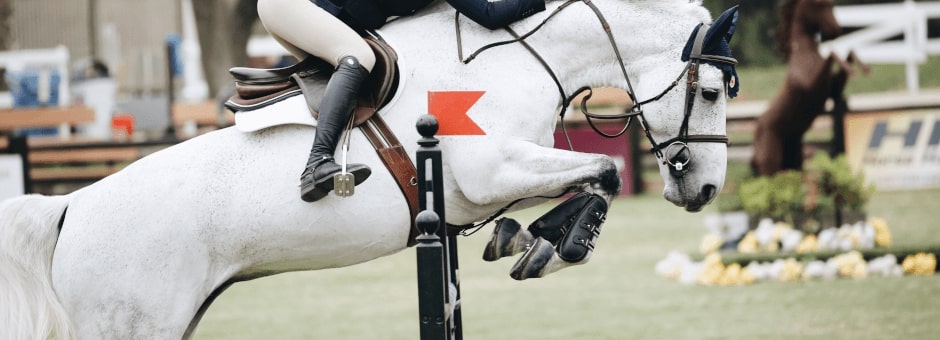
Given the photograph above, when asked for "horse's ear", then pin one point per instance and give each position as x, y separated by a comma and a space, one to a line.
723, 28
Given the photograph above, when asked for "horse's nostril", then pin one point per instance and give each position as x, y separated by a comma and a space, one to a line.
709, 191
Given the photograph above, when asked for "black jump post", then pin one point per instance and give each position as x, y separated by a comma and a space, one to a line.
436, 250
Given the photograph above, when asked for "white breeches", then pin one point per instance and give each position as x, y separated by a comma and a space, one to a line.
305, 29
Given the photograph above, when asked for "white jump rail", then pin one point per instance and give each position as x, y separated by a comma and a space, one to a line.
882, 22
56, 58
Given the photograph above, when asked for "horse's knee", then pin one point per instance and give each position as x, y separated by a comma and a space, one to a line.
609, 179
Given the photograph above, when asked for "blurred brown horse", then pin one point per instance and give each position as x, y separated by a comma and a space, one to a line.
811, 80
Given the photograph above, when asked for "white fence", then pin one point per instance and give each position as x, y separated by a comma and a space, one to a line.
882, 22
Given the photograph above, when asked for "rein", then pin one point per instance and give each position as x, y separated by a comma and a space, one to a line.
681, 159
677, 164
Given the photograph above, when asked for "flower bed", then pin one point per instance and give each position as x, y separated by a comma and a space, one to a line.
778, 252
796, 225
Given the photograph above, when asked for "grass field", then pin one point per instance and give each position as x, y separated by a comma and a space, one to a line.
615, 296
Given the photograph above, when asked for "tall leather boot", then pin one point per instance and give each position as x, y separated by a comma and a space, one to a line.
336, 109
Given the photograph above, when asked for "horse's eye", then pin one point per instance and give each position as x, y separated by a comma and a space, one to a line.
710, 95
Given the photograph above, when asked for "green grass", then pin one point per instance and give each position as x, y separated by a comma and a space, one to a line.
762, 83
615, 296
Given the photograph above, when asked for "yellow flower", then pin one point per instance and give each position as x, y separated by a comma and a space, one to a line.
919, 264
748, 243
710, 244
731, 276
808, 244
860, 271
849, 264
792, 270
882, 233
747, 277
772, 247
712, 269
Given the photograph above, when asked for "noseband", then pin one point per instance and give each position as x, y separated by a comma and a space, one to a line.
677, 146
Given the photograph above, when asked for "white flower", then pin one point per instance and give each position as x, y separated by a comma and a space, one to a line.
867, 236
790, 240
671, 266
765, 232
759, 271
815, 270
690, 272
886, 265
827, 239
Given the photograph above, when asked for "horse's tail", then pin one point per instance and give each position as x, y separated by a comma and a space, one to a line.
29, 229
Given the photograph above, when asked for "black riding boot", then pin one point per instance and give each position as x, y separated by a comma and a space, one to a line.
336, 109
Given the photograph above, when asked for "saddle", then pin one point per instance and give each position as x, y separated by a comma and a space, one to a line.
258, 88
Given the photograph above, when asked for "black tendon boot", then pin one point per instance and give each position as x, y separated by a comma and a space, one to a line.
336, 108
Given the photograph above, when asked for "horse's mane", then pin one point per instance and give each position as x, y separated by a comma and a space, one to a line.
782, 35
692, 8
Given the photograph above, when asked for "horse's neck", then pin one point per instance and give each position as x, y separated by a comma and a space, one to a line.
803, 47
648, 34
574, 42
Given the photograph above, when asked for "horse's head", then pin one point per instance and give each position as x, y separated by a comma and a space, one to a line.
686, 123
817, 16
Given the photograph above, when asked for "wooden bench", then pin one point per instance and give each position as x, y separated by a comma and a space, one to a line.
59, 164
71, 165
11, 119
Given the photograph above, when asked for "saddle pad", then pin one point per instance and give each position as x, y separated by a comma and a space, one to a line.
292, 110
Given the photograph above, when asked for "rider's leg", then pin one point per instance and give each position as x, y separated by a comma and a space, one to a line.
339, 100
305, 29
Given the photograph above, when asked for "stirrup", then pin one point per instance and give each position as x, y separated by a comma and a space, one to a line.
314, 187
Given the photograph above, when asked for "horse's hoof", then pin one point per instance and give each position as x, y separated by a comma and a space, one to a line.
533, 261
500, 243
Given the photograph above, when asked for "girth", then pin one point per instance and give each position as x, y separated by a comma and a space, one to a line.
396, 159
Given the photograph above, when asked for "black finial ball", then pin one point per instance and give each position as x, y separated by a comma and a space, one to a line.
427, 125
427, 222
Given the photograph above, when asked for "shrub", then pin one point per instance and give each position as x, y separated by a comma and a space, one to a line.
804, 198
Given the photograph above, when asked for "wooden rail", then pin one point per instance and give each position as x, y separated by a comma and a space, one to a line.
44, 117
203, 114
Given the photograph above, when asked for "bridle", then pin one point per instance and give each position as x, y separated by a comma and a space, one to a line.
677, 146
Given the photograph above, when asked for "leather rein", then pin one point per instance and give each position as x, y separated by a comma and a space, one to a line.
679, 163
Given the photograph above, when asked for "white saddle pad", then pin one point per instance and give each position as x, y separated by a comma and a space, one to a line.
292, 110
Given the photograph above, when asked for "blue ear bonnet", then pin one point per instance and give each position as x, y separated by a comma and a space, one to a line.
716, 43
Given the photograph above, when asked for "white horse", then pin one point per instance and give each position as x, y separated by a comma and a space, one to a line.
143, 252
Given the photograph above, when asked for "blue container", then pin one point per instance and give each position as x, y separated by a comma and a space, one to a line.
24, 87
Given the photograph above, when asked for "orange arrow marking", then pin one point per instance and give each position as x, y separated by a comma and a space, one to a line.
450, 108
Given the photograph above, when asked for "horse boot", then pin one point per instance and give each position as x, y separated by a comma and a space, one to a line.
509, 238
554, 224
336, 109
572, 243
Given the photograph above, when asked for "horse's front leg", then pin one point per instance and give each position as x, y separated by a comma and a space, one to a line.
841, 76
565, 235
490, 171
852, 58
